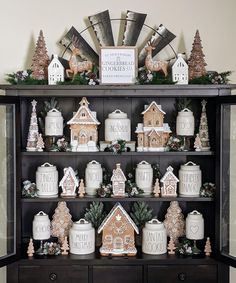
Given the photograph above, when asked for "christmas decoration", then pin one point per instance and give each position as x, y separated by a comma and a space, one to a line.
156, 189
40, 143
197, 143
40, 59
207, 248
171, 247
118, 233
169, 181
180, 71
95, 214
118, 146
196, 60
61, 221
69, 183
208, 190
50, 248
55, 71
174, 144
131, 187
174, 221
146, 77
212, 77
152, 134
65, 247
33, 129
83, 128
203, 128
118, 180
81, 190
141, 213
29, 189
30, 250
184, 248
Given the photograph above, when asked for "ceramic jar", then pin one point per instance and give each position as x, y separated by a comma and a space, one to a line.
54, 123
185, 123
117, 126
47, 180
93, 177
154, 240
82, 238
41, 226
190, 180
144, 177
195, 226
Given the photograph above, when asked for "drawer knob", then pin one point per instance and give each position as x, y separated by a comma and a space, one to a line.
182, 276
53, 277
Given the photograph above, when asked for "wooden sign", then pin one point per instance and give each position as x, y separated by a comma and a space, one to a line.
118, 65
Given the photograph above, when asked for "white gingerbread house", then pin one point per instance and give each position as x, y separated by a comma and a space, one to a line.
118, 233
69, 183
180, 71
55, 71
118, 180
83, 126
153, 133
169, 183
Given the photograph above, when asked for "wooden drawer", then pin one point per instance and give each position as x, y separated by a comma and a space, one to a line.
117, 274
58, 274
182, 273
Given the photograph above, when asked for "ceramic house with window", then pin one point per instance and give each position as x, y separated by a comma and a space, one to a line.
153, 133
118, 231
83, 127
69, 183
169, 183
180, 71
55, 71
118, 180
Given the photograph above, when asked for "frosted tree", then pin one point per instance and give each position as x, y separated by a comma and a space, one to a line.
197, 143
81, 189
33, 129
208, 249
156, 189
203, 128
65, 247
171, 247
30, 250
40, 143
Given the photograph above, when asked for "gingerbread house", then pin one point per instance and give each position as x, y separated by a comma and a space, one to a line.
169, 181
69, 183
118, 180
153, 133
118, 237
83, 126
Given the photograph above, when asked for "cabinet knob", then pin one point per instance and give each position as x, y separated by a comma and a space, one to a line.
182, 276
53, 277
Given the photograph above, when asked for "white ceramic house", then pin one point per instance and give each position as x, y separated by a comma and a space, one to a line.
180, 71
118, 180
55, 71
69, 183
169, 183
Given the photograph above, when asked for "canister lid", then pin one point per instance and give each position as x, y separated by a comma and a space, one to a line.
144, 164
189, 166
185, 112
82, 225
94, 164
47, 167
41, 216
154, 224
195, 215
54, 113
117, 114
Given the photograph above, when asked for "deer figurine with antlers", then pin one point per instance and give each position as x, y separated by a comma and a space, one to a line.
75, 65
153, 65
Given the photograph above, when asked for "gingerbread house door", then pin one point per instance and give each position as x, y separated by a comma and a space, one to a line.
155, 141
118, 244
82, 138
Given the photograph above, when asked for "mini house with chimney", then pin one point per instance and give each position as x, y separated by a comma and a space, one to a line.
69, 183
83, 127
55, 71
153, 133
180, 71
118, 233
169, 183
118, 180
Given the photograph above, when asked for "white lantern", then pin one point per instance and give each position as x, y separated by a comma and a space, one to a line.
144, 177
190, 180
47, 180
82, 238
154, 240
185, 123
54, 123
93, 177
41, 226
195, 226
117, 126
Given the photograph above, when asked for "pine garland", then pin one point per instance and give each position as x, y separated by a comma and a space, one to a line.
141, 213
95, 213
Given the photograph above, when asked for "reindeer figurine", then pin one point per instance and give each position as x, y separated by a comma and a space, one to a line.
75, 65
152, 65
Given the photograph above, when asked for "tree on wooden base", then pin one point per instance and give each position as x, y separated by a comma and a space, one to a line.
65, 247
30, 250
171, 247
208, 249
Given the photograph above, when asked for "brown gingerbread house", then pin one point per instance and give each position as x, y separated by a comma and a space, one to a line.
118, 236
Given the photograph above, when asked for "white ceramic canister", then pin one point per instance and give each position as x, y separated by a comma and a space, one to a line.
117, 126
47, 180
54, 123
93, 177
82, 238
41, 226
194, 226
144, 177
190, 179
185, 123
154, 240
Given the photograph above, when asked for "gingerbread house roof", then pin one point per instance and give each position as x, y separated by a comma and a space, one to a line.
111, 213
169, 175
118, 174
156, 105
69, 171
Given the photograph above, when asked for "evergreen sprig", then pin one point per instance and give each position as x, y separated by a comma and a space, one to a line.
141, 213
95, 213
